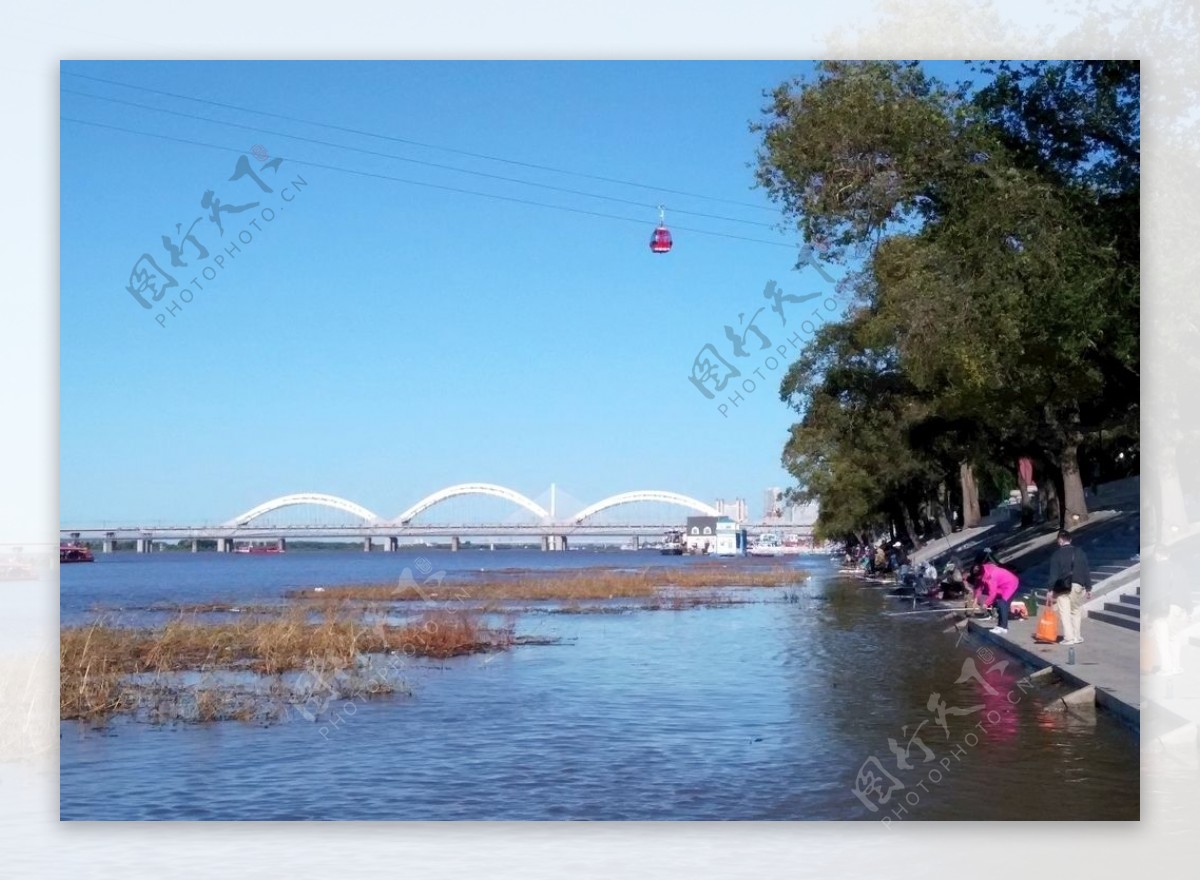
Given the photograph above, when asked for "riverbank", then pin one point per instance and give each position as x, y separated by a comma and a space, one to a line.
1105, 671
1106, 667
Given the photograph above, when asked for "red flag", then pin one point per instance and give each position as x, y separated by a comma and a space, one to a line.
1025, 471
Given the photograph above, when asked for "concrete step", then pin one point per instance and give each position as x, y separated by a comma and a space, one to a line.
1133, 599
1103, 583
1122, 608
1117, 587
1129, 622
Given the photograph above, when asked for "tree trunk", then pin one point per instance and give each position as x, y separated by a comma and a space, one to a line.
942, 510
1074, 505
1050, 490
970, 493
910, 526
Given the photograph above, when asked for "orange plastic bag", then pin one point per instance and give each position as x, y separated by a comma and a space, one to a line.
1047, 626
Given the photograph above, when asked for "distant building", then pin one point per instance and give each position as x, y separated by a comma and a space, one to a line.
737, 509
801, 515
701, 532
714, 535
772, 503
777, 509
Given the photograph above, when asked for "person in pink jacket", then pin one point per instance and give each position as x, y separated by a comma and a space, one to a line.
995, 585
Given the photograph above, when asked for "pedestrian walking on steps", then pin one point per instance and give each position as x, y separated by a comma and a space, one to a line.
1070, 587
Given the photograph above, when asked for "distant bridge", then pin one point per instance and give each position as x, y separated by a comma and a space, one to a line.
371, 529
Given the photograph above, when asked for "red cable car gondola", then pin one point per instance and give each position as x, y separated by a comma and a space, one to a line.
660, 242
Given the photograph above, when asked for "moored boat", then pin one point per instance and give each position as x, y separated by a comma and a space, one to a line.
74, 553
672, 544
258, 549
771, 544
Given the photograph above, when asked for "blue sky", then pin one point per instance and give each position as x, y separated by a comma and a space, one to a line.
379, 340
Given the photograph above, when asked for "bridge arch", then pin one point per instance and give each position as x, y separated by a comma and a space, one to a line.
320, 499
645, 495
472, 489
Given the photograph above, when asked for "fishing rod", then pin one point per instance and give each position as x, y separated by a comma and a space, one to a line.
925, 612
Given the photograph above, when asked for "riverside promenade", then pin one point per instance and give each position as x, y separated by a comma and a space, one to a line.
1106, 672
1107, 663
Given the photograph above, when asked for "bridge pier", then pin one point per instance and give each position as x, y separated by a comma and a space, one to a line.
195, 545
107, 546
454, 543
392, 545
367, 544
282, 544
637, 543
554, 542
224, 545
143, 546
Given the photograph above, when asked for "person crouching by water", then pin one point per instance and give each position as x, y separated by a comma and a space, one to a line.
952, 586
998, 586
928, 582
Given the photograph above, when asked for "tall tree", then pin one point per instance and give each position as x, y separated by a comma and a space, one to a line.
996, 240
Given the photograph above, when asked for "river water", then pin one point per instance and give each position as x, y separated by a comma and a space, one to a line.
776, 709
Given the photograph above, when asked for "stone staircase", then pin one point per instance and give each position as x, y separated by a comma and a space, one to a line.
1112, 562
1112, 549
1123, 609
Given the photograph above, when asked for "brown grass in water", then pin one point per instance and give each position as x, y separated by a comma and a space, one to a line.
582, 584
96, 661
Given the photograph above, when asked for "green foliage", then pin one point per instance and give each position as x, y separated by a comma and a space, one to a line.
996, 313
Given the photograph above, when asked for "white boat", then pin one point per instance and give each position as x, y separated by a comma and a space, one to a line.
771, 544
672, 545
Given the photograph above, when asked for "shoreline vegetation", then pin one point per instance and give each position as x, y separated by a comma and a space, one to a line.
262, 663
576, 584
254, 668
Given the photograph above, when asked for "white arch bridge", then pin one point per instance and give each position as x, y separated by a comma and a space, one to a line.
256, 525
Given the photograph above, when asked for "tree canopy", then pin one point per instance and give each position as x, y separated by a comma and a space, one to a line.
995, 302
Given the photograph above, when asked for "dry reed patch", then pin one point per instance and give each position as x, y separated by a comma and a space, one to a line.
104, 669
571, 585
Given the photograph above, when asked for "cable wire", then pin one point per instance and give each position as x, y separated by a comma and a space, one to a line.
377, 176
423, 162
426, 145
